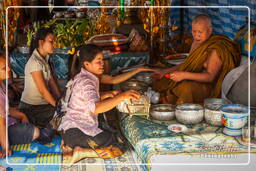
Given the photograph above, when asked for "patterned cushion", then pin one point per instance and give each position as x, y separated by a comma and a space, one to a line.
242, 38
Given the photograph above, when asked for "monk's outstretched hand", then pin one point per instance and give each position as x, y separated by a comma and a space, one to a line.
177, 76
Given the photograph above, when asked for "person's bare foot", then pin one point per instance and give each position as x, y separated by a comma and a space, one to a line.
77, 154
66, 149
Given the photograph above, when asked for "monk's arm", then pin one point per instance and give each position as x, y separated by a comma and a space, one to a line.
213, 68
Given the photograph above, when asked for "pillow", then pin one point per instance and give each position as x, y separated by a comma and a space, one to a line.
242, 38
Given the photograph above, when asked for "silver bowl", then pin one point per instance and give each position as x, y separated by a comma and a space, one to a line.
163, 112
134, 85
214, 103
145, 77
212, 113
189, 113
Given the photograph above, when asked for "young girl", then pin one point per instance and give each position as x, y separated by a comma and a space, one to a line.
41, 90
80, 124
19, 133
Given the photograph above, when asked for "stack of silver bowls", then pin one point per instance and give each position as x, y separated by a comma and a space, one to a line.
212, 111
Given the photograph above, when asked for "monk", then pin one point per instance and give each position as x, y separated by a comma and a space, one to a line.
200, 76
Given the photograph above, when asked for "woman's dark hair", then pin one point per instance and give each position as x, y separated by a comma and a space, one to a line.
40, 35
73, 64
82, 53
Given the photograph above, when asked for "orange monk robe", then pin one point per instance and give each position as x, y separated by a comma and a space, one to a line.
188, 91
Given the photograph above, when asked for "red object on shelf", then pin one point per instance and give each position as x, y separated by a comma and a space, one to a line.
167, 75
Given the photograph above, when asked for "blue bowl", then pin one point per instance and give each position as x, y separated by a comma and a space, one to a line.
234, 116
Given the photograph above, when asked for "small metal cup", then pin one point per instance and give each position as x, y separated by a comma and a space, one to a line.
247, 133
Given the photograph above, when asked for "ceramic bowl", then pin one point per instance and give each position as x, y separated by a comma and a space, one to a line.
234, 116
212, 114
189, 113
163, 112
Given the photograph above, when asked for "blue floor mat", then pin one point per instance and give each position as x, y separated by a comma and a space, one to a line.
34, 157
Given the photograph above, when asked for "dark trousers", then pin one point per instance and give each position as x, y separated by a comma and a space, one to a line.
75, 137
38, 115
21, 133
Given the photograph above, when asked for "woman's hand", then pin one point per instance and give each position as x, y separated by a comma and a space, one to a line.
24, 119
115, 92
3, 152
110, 103
130, 94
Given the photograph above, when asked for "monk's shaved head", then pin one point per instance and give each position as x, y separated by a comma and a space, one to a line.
201, 28
204, 19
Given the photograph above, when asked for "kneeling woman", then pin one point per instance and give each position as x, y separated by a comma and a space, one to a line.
80, 124
41, 90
